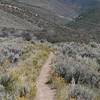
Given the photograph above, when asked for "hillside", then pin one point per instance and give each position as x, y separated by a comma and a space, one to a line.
88, 22
11, 21
49, 49
59, 7
20, 64
76, 71
44, 20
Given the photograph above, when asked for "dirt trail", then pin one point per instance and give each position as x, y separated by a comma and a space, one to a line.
43, 90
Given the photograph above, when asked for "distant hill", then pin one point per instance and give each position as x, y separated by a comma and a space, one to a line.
60, 20
88, 22
84, 3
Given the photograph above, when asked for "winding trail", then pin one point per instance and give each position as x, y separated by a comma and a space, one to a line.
44, 92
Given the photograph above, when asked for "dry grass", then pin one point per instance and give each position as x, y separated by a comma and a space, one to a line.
26, 71
60, 85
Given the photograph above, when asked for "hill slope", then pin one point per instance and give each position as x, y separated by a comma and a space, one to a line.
41, 14
88, 22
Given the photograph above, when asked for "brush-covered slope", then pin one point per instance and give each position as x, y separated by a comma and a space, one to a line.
11, 21
20, 64
63, 7
50, 17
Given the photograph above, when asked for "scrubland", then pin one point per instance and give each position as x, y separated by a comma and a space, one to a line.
76, 71
20, 64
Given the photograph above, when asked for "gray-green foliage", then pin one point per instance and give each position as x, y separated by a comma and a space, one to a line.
6, 87
82, 93
10, 88
81, 62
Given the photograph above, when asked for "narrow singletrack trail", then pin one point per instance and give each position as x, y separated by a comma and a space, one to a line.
44, 92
